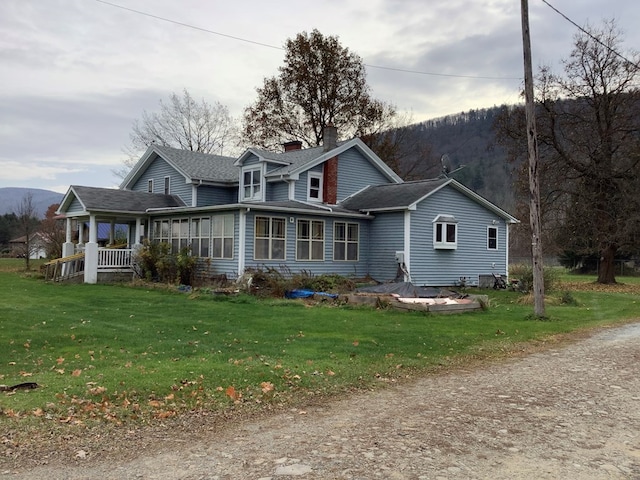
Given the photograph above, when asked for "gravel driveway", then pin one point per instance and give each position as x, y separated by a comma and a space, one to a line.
571, 412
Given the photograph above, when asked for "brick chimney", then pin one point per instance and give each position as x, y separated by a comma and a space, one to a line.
293, 145
330, 173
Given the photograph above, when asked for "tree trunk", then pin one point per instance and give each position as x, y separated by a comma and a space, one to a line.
606, 267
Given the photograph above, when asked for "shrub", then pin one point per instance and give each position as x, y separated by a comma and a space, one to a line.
524, 273
156, 263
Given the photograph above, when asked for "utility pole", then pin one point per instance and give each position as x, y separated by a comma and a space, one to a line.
534, 186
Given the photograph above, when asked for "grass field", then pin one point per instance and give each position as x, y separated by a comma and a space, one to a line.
122, 354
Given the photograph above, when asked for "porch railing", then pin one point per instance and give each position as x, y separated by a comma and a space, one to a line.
115, 259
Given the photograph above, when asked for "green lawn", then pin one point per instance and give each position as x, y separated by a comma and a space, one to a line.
123, 354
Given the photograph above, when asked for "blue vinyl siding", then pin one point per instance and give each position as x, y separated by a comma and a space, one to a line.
302, 184
277, 192
471, 258
387, 237
158, 170
210, 195
328, 266
75, 206
356, 172
251, 160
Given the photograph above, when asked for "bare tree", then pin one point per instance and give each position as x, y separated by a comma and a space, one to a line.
589, 138
184, 123
28, 224
53, 232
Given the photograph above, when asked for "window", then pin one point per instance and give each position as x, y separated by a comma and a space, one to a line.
179, 234
492, 238
445, 232
310, 240
314, 192
222, 236
269, 238
200, 235
251, 184
150, 186
167, 185
346, 241
161, 231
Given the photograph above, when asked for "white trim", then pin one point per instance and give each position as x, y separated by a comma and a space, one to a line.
407, 245
261, 185
506, 249
319, 176
150, 185
444, 221
270, 218
292, 190
194, 195
495, 227
167, 185
242, 244
310, 240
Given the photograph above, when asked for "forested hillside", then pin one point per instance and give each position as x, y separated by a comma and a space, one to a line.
464, 144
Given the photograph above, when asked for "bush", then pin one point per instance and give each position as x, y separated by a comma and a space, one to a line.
524, 273
156, 263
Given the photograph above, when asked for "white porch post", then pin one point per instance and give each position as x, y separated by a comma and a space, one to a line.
67, 246
138, 231
112, 232
80, 233
91, 253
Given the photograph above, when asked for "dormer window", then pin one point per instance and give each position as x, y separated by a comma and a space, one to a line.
314, 190
252, 184
445, 232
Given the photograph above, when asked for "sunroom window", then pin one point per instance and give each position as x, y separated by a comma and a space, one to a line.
445, 232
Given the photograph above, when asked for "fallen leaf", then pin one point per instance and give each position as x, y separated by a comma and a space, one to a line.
76, 373
81, 454
267, 387
356, 343
233, 394
331, 373
60, 360
155, 403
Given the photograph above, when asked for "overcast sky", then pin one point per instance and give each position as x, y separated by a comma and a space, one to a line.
75, 74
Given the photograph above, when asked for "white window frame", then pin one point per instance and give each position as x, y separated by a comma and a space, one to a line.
489, 237
318, 176
150, 185
201, 236
167, 185
162, 230
346, 241
442, 226
310, 241
225, 236
179, 234
270, 238
253, 193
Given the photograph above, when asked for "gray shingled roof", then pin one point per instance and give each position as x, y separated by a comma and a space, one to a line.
107, 199
395, 195
293, 158
201, 166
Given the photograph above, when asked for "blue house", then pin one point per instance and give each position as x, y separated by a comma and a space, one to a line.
337, 208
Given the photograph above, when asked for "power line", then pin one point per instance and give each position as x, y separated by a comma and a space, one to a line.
240, 39
589, 34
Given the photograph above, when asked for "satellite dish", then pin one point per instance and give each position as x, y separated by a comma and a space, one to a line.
445, 161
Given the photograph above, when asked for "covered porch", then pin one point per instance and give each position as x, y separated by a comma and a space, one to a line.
89, 207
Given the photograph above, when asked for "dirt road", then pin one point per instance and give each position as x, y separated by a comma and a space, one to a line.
567, 413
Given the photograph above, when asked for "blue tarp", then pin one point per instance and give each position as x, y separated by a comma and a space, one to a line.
307, 294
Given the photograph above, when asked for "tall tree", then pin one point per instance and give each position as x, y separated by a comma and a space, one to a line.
182, 122
589, 137
320, 83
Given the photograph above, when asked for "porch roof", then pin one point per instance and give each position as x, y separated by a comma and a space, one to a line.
108, 200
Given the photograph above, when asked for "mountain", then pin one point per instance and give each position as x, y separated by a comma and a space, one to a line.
464, 144
11, 198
